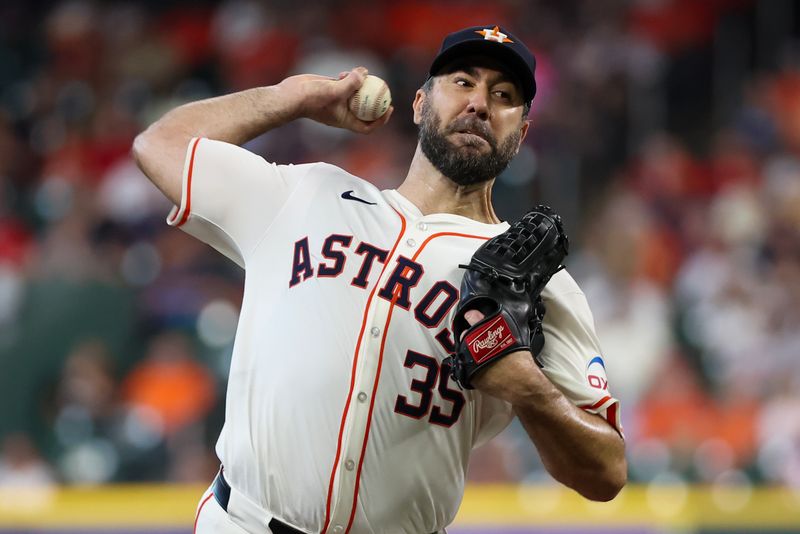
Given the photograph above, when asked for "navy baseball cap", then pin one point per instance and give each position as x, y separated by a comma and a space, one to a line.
493, 41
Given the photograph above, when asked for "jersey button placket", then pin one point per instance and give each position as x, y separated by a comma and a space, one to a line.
358, 416
359, 413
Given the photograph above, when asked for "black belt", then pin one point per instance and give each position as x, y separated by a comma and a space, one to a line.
222, 492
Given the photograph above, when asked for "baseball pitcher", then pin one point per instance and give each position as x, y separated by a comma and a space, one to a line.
385, 334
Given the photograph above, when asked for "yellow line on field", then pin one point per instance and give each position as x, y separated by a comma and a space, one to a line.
635, 505
134, 505
174, 506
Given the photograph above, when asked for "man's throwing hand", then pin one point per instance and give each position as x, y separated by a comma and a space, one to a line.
325, 100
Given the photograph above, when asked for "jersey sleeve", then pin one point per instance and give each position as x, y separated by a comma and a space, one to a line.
493, 414
231, 196
571, 358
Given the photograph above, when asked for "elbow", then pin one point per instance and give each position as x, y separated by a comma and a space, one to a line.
605, 486
605, 489
137, 149
159, 152
140, 148
601, 482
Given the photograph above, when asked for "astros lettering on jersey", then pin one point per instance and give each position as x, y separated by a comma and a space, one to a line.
340, 416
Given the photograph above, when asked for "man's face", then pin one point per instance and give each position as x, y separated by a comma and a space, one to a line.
471, 123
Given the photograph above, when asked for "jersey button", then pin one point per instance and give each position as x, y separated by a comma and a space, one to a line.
338, 528
375, 331
362, 396
411, 243
422, 226
349, 465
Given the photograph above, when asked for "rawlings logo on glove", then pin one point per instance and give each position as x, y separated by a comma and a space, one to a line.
503, 281
481, 342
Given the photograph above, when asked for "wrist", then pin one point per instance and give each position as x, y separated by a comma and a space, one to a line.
515, 379
290, 96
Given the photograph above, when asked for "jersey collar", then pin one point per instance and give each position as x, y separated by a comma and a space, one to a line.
412, 212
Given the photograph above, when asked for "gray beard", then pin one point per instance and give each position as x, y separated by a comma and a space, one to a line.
464, 168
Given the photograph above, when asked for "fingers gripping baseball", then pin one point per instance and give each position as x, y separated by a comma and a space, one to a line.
325, 100
358, 118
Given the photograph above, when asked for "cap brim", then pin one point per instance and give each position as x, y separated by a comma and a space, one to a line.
504, 54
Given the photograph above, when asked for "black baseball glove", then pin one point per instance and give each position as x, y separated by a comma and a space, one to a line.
503, 281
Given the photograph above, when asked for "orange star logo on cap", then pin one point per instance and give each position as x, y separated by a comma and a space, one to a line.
494, 35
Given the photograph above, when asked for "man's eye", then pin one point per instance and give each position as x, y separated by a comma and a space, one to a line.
503, 94
463, 82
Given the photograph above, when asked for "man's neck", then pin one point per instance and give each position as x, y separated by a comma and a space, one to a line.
433, 192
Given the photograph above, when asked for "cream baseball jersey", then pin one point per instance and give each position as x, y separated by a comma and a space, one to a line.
339, 414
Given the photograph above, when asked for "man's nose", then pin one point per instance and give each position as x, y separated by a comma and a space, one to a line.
479, 104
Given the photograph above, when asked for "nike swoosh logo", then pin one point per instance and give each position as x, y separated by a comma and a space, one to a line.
348, 195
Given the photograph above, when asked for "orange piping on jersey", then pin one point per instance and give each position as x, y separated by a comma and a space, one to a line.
597, 404
613, 417
353, 376
395, 296
440, 234
188, 210
372, 403
200, 510
612, 414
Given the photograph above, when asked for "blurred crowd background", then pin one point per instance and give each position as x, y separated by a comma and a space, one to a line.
667, 133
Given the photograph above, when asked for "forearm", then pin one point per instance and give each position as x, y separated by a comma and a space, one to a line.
579, 449
235, 118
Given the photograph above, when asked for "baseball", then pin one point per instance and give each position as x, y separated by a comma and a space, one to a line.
372, 100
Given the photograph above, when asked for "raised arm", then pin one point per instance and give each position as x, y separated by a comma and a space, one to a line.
239, 117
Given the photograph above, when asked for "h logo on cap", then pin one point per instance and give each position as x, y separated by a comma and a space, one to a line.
494, 35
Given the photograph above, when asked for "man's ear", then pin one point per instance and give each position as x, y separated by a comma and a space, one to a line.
523, 134
419, 98
524, 128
